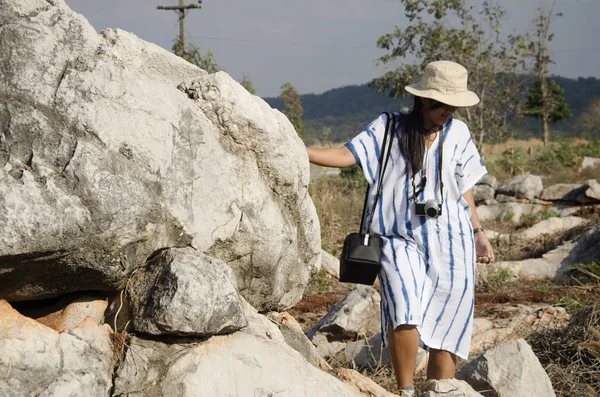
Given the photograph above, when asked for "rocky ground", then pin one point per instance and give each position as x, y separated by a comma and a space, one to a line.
505, 309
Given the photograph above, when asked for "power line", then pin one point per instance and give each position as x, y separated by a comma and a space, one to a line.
341, 45
296, 43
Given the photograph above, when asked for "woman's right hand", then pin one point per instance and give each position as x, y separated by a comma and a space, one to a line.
339, 157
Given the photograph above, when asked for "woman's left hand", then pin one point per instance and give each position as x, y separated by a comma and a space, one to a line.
483, 249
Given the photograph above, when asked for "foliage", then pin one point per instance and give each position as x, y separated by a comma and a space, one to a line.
354, 175
499, 278
339, 205
247, 84
545, 99
319, 284
562, 158
591, 117
192, 55
553, 107
494, 64
292, 108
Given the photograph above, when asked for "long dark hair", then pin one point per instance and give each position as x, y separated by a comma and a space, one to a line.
412, 138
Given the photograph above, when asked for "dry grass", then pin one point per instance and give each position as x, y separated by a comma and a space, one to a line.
339, 204
571, 356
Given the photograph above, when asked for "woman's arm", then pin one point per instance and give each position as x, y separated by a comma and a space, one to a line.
483, 249
331, 157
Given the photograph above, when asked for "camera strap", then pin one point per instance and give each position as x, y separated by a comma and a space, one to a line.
384, 156
423, 181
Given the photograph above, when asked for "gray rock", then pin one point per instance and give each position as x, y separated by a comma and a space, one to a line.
566, 210
482, 193
563, 192
357, 315
509, 212
593, 190
233, 365
510, 369
294, 336
525, 186
448, 388
553, 265
488, 180
182, 292
330, 264
114, 148
590, 162
551, 226
39, 361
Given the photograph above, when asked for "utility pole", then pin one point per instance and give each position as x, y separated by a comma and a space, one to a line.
181, 8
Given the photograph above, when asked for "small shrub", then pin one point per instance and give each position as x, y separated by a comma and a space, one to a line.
499, 278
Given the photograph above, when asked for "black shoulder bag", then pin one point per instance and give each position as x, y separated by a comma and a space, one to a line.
361, 256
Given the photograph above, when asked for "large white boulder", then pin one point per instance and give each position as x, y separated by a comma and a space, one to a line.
237, 365
113, 148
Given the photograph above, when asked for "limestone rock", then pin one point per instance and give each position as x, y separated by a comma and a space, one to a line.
593, 190
363, 383
330, 264
481, 193
37, 360
74, 314
590, 162
114, 148
525, 186
519, 321
294, 336
551, 226
448, 388
562, 192
183, 292
510, 212
354, 316
236, 365
488, 180
510, 369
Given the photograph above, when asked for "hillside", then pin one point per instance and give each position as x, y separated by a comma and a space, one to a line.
347, 110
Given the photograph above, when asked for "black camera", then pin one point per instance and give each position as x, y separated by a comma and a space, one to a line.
430, 208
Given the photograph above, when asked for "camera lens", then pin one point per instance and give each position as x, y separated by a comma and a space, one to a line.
431, 209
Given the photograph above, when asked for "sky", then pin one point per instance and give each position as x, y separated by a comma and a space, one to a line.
318, 45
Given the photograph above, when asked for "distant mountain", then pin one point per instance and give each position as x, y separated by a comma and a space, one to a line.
341, 113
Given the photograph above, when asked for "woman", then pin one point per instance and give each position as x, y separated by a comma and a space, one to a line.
426, 280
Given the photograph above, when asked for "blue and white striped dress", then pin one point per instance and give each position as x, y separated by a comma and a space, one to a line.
427, 263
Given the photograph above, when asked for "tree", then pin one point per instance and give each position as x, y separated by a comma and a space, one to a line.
495, 65
247, 84
545, 99
192, 55
292, 107
591, 117
546, 102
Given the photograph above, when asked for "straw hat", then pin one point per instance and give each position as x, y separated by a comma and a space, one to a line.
445, 82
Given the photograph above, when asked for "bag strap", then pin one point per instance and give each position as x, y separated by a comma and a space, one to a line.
384, 156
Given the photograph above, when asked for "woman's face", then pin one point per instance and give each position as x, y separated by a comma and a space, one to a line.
436, 113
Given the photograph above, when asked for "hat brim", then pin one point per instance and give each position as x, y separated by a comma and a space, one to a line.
460, 99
